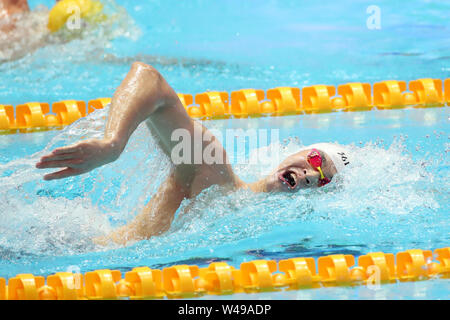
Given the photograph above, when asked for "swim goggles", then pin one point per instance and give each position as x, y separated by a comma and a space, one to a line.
315, 160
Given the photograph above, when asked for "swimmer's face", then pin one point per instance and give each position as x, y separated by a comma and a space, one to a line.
295, 173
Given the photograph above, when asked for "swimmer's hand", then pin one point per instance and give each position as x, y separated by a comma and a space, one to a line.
79, 158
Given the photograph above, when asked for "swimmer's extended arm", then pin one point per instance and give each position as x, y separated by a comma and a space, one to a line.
143, 95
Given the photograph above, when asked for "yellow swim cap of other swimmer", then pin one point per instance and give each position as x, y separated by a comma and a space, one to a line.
86, 9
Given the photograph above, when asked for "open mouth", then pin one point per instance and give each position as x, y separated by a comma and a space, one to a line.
289, 178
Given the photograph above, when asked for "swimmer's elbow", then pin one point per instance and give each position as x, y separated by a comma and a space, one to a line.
147, 71
157, 88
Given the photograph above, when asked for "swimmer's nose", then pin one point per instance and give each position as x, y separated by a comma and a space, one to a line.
304, 181
307, 179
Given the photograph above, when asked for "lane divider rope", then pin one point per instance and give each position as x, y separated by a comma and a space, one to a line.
219, 278
356, 96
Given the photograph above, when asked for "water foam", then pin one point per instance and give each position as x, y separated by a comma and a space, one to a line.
381, 187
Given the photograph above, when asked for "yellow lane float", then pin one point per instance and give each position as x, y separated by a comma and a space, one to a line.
219, 278
64, 10
349, 97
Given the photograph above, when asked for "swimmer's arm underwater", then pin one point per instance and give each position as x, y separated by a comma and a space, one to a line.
154, 220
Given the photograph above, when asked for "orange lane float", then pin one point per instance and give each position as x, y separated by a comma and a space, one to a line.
335, 269
101, 284
378, 263
318, 99
447, 90
299, 272
66, 285
285, 99
3, 295
428, 92
391, 94
7, 121
258, 275
25, 287
144, 283
213, 104
248, 102
99, 103
179, 281
33, 115
357, 96
354, 96
219, 278
69, 111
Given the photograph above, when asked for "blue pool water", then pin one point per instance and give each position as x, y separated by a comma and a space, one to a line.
395, 198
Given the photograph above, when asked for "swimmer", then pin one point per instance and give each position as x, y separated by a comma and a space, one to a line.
9, 8
21, 31
145, 96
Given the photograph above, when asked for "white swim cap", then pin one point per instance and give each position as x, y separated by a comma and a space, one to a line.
338, 154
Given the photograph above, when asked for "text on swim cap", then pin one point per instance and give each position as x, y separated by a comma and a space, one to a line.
343, 158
